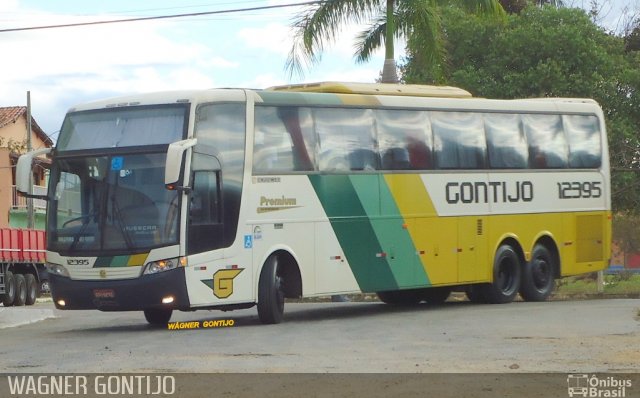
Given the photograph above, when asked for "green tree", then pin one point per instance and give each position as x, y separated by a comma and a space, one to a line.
549, 52
418, 21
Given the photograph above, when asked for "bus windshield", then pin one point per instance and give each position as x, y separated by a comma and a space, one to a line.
115, 203
123, 127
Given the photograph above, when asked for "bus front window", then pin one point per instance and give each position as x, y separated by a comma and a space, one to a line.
113, 203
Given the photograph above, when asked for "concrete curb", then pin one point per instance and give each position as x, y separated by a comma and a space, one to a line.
18, 316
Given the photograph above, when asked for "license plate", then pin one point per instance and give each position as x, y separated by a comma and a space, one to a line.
104, 293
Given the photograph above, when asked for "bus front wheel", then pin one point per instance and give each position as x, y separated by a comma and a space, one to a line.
506, 277
158, 316
271, 292
538, 275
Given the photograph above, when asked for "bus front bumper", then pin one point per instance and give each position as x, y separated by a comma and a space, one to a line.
162, 290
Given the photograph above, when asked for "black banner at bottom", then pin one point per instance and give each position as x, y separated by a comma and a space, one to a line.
284, 385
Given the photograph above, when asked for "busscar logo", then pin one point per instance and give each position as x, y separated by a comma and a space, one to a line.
583, 385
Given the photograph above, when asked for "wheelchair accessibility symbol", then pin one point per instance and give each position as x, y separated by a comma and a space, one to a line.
248, 241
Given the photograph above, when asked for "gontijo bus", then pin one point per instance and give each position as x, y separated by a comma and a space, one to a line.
229, 198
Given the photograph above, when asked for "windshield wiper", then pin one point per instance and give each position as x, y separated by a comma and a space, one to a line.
118, 216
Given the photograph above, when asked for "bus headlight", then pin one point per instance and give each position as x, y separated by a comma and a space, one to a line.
57, 269
164, 265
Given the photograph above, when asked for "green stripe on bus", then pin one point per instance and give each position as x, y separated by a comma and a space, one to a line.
388, 225
407, 261
120, 261
103, 262
354, 231
115, 261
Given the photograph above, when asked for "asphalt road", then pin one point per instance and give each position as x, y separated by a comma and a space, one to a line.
564, 336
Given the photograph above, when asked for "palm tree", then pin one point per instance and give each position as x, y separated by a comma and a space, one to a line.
415, 20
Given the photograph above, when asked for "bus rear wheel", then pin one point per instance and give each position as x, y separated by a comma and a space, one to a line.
506, 277
538, 275
158, 316
271, 292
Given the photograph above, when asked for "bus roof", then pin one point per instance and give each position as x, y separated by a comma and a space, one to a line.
414, 90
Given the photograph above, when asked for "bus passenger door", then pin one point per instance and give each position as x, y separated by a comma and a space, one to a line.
332, 271
437, 237
471, 248
398, 249
212, 279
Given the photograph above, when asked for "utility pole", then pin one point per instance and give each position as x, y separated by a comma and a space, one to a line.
30, 221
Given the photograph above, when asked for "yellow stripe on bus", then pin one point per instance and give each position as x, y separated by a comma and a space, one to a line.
137, 260
438, 258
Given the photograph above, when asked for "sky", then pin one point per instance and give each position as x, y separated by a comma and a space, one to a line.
64, 67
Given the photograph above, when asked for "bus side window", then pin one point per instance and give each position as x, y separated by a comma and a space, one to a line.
404, 139
547, 143
346, 139
205, 223
459, 140
205, 199
583, 135
506, 144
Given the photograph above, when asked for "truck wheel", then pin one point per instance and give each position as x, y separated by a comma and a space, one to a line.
158, 317
9, 288
270, 293
506, 277
538, 275
32, 289
21, 290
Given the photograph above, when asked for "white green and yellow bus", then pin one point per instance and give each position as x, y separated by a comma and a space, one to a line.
230, 198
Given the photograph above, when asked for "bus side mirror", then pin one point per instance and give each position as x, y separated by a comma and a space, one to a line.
174, 165
24, 185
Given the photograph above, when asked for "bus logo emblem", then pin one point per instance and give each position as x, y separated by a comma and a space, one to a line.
223, 282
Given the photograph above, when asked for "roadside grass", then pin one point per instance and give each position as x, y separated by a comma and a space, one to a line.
623, 284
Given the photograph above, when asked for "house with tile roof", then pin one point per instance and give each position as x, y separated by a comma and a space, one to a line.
13, 142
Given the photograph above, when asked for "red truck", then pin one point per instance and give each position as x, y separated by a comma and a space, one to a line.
23, 275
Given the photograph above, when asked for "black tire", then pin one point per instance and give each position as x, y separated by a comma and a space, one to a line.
538, 275
401, 297
158, 316
270, 293
436, 295
21, 291
9, 288
33, 289
507, 268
